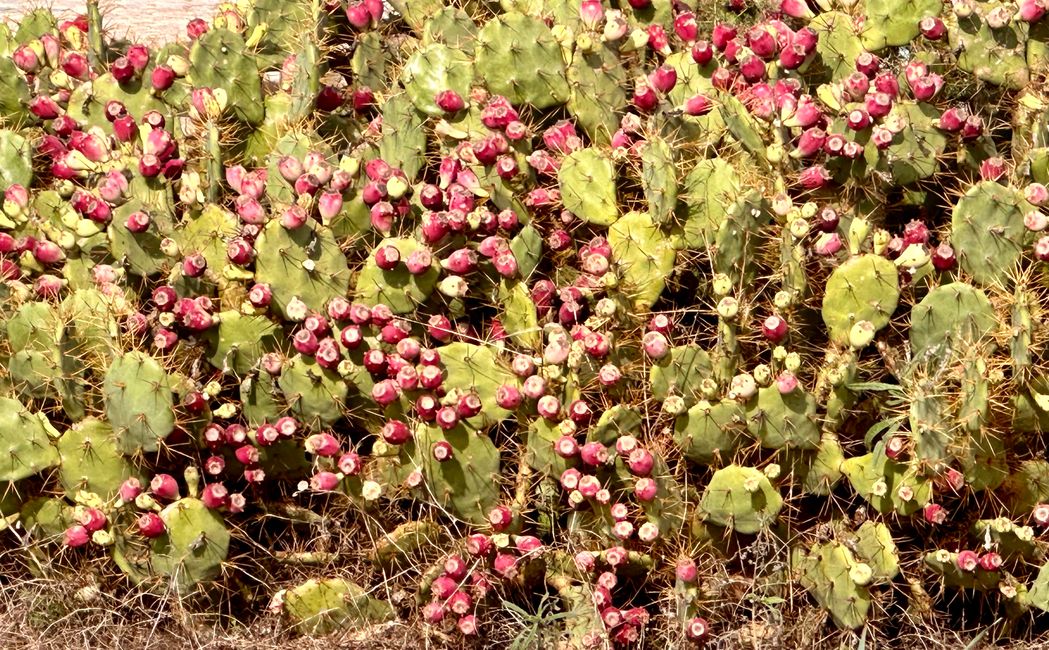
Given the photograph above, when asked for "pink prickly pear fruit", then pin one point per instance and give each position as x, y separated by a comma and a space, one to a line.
130, 489
549, 407
623, 530
1041, 249
324, 481
814, 177
508, 397
479, 545
194, 265
47, 252
505, 565
646, 489
786, 382
468, 625
322, 444
162, 78
215, 465
396, 432
932, 28
591, 13
164, 486
685, 570
329, 205
594, 454
698, 105
656, 345
796, 9
640, 462
76, 536
44, 107
92, 519
150, 525
943, 258
528, 544
350, 463
663, 79
774, 328
214, 496
500, 517
1032, 11
566, 447
967, 561
237, 502
447, 418
696, 629
387, 257
358, 15
1040, 514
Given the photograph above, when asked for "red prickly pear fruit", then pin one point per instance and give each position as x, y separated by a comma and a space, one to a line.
305, 342
967, 561
702, 53
878, 104
1036, 194
663, 79
350, 463
934, 514
623, 530
626, 444
500, 517
973, 127
324, 481
48, 286
580, 412
387, 257
122, 70
858, 119
990, 561
896, 447
932, 28
526, 544
396, 432
645, 98
993, 168
376, 9
814, 177
468, 625
469, 405
214, 465
44, 107
645, 489
657, 36
1032, 11
329, 99
162, 78
214, 496
194, 402
925, 88
443, 587
722, 34
915, 232
91, 518
260, 295
566, 447
696, 629
943, 258
240, 251
386, 392
868, 64
150, 525
26, 59
685, 26
164, 486
249, 454
47, 252
450, 101
447, 418
433, 613
441, 451
774, 328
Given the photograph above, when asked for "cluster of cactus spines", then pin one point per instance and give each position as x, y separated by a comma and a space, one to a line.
564, 302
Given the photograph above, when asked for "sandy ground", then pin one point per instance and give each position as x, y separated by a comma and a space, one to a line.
148, 20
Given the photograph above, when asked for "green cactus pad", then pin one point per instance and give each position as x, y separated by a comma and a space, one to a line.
915, 150
727, 501
220, 59
398, 289
239, 341
894, 22
617, 421
305, 263
680, 373
824, 471
518, 315
467, 483
956, 314
740, 236
710, 433
92, 460
403, 143
14, 92
25, 441
987, 231
588, 186
87, 103
597, 99
945, 564
140, 251
997, 56
453, 27
16, 159
313, 393
784, 421
475, 367
325, 606
879, 480
865, 288
433, 69
659, 179
708, 191
838, 45
138, 402
827, 573
643, 256
874, 544
194, 548
46, 517
518, 57
207, 234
